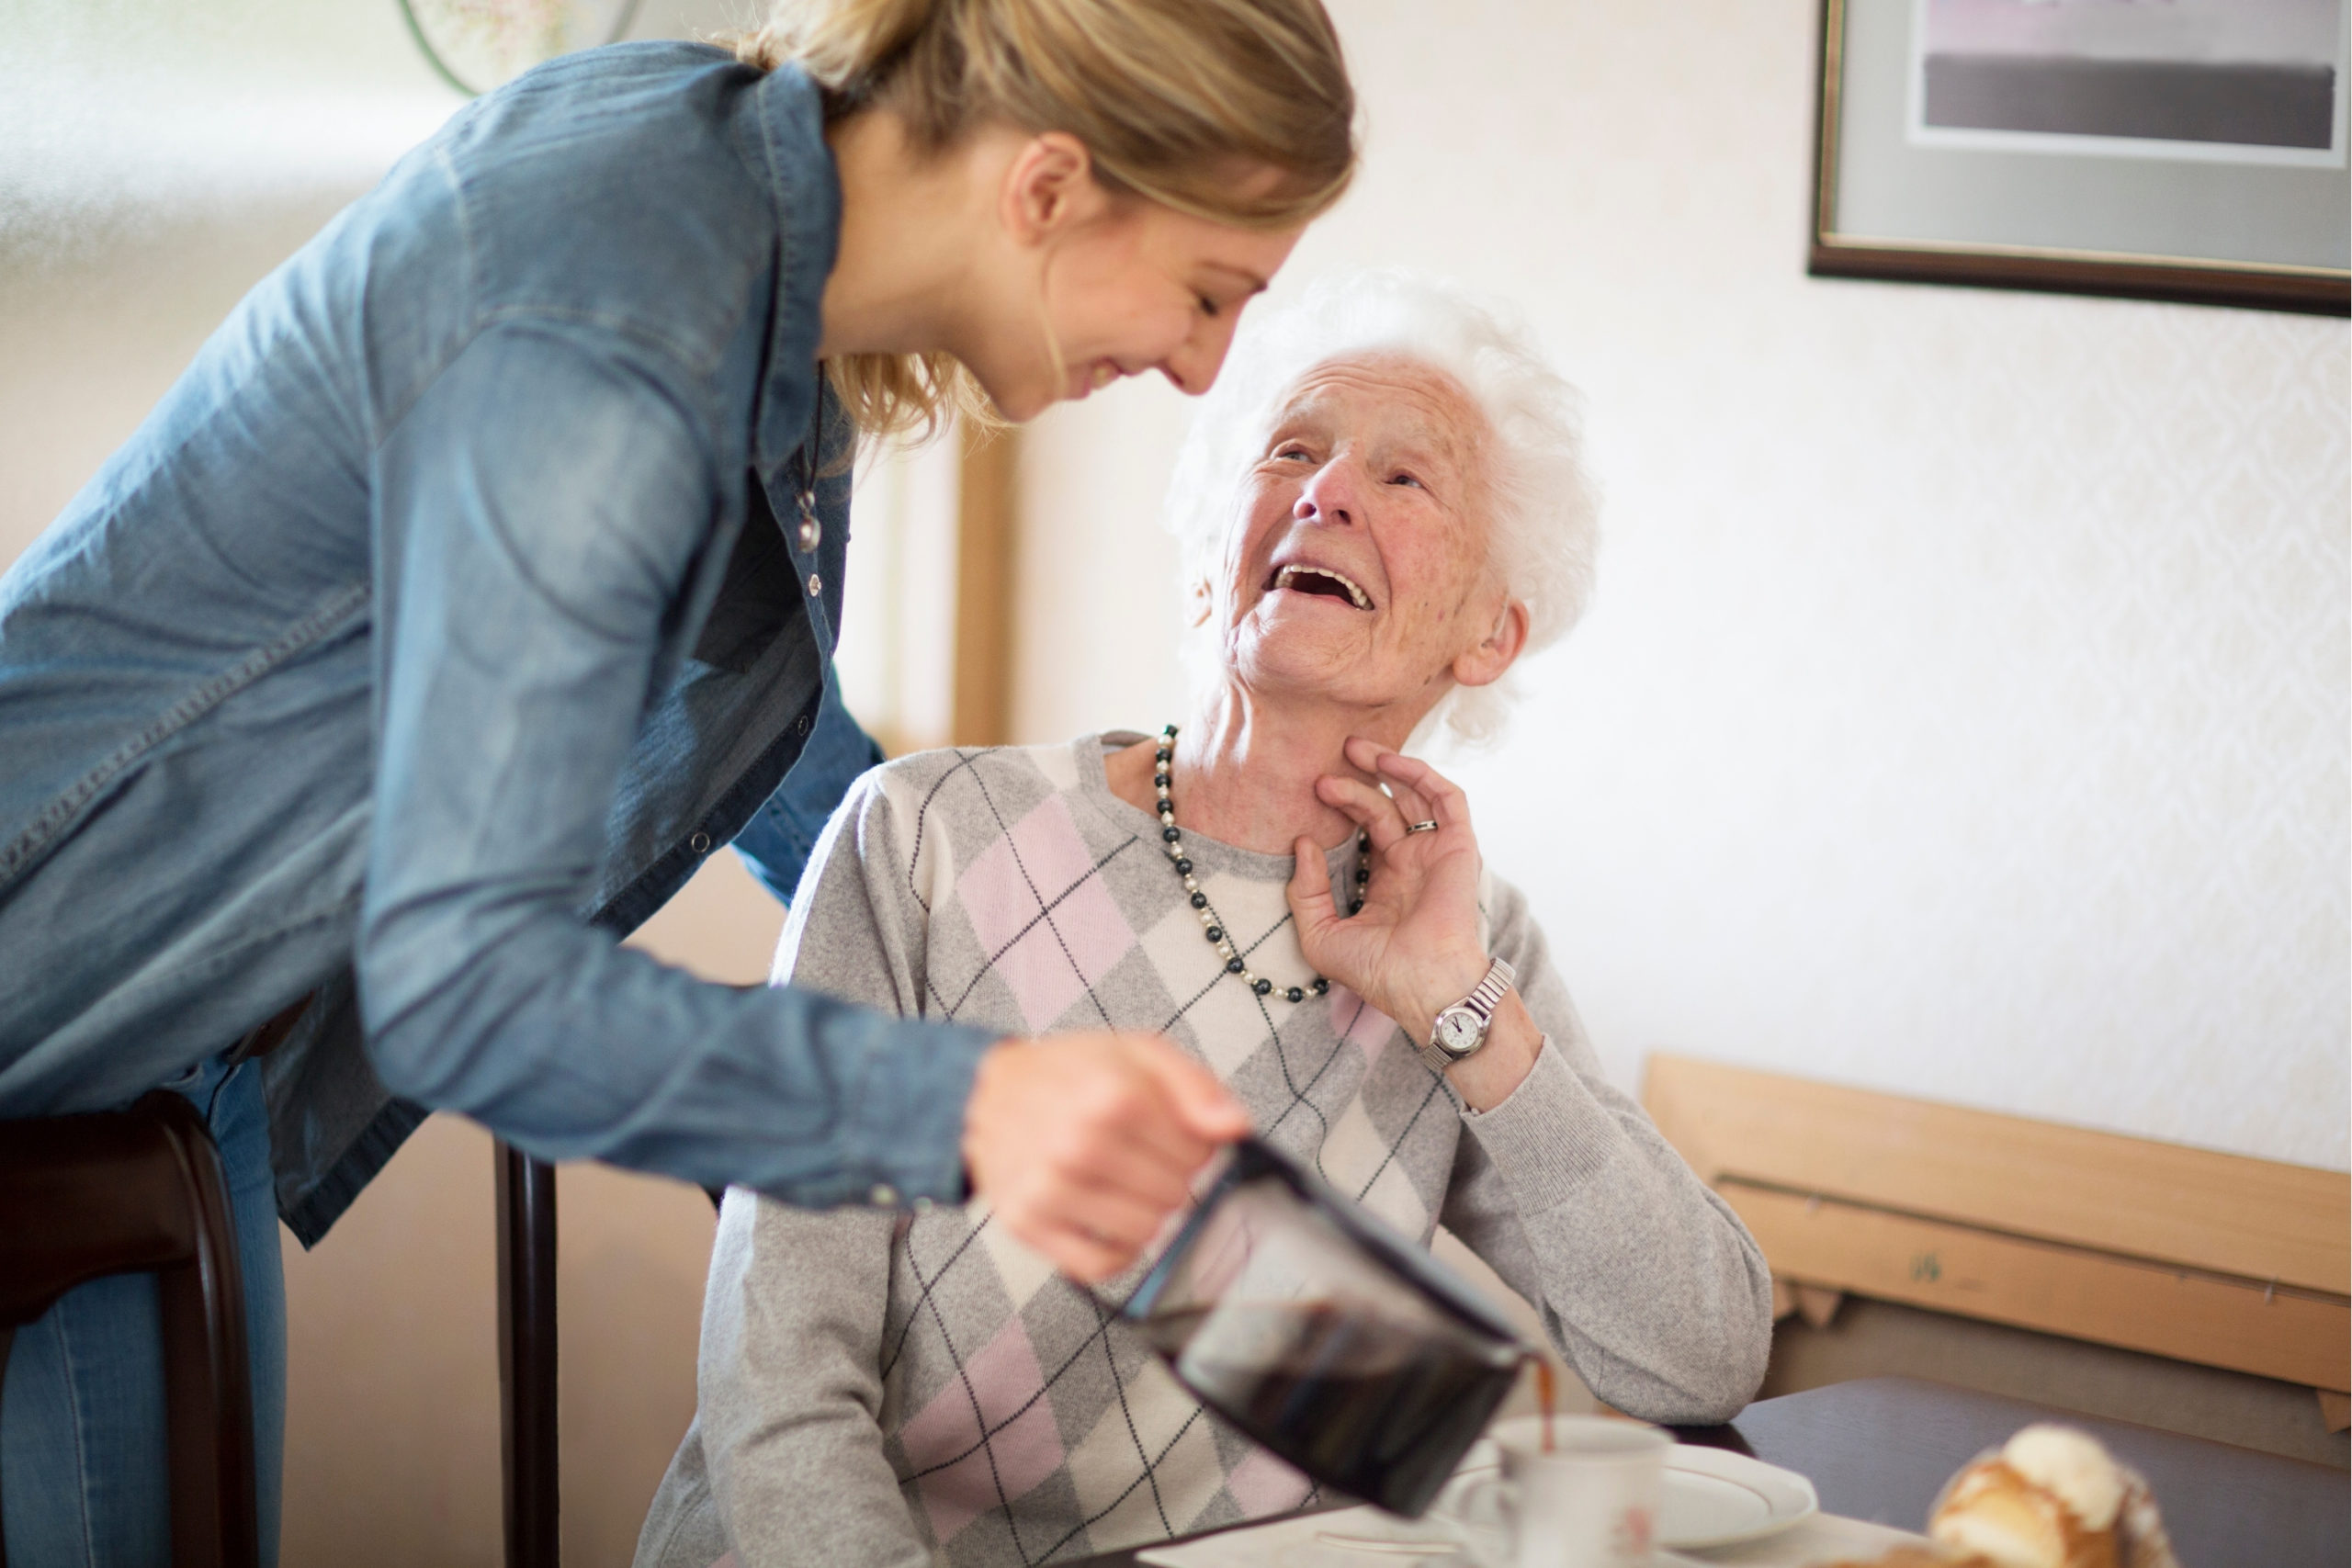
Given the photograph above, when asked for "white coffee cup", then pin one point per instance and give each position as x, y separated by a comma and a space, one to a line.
1590, 1502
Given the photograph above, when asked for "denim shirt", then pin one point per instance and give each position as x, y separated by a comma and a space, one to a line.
449, 612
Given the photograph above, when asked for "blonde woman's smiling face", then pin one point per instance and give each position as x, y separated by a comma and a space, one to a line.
1358, 570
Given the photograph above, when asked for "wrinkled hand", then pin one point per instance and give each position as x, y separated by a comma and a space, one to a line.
1083, 1144
1414, 949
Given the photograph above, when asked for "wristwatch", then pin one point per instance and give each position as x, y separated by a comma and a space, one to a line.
1462, 1028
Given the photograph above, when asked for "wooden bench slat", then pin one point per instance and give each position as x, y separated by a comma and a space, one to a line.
2052, 1289
2221, 1213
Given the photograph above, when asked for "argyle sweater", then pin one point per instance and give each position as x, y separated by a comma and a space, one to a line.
880, 1387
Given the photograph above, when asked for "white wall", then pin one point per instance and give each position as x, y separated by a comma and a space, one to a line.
1964, 708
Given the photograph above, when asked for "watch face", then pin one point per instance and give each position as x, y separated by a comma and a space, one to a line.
1458, 1031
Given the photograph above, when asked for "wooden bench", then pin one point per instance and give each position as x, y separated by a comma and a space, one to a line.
2207, 1258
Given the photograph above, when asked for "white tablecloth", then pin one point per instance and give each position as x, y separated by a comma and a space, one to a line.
1366, 1537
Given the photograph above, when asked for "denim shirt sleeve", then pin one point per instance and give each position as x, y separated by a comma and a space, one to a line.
776, 842
524, 585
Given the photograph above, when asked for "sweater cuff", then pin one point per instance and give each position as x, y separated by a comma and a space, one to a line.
902, 1141
1550, 1138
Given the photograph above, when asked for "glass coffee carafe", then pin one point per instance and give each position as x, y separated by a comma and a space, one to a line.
1325, 1335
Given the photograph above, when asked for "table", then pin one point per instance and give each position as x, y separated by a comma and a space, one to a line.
1879, 1449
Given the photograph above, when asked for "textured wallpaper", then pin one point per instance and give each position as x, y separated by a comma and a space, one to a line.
1964, 707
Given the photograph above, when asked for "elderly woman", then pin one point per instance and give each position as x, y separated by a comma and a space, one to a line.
1384, 509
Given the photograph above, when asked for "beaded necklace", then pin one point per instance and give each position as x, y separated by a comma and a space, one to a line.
1171, 839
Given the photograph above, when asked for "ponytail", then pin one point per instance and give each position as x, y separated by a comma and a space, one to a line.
1169, 97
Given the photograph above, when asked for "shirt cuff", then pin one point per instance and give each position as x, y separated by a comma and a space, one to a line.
902, 1139
1549, 1137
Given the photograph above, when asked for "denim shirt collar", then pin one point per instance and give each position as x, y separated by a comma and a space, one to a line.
787, 127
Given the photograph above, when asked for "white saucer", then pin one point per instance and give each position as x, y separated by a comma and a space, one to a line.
1712, 1496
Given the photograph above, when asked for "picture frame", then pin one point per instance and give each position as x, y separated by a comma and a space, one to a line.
2051, 145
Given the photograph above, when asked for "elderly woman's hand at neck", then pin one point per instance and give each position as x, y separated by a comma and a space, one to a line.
1413, 949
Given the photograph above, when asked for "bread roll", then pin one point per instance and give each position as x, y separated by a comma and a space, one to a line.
1915, 1557
2052, 1497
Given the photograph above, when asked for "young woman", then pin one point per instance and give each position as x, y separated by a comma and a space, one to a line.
479, 580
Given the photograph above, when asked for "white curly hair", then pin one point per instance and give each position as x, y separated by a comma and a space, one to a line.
1544, 524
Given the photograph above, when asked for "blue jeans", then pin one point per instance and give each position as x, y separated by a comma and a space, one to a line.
84, 1482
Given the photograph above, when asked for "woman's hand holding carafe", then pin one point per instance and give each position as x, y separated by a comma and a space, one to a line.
1084, 1143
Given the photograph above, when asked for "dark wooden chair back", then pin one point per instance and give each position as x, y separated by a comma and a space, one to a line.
141, 1191
526, 1356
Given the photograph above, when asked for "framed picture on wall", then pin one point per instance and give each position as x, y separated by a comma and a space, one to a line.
2188, 150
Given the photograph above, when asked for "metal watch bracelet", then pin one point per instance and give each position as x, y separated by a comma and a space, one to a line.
1481, 1003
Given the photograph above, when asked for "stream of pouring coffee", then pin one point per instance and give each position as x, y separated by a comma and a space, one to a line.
1544, 1394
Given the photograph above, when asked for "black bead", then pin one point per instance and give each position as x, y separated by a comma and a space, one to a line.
1215, 933
1233, 966
1164, 756
1263, 985
1200, 900
1183, 868
1321, 984
1363, 874
1295, 994
1171, 834
1355, 906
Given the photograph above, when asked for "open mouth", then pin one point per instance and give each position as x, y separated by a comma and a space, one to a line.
1319, 579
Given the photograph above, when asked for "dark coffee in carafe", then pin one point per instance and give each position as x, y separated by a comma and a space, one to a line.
1362, 1406
1325, 1335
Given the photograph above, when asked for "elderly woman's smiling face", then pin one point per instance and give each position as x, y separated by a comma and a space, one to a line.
1358, 570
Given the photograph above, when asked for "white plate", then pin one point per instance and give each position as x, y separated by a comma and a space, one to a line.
1712, 1496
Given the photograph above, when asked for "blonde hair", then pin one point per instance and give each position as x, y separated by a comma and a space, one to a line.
1170, 97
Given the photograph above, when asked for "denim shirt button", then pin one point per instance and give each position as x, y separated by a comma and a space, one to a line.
800, 724
811, 532
699, 843
884, 1195
816, 585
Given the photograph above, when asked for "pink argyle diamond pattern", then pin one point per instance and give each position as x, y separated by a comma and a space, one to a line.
999, 1394
1371, 1030
1263, 1484
1037, 904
